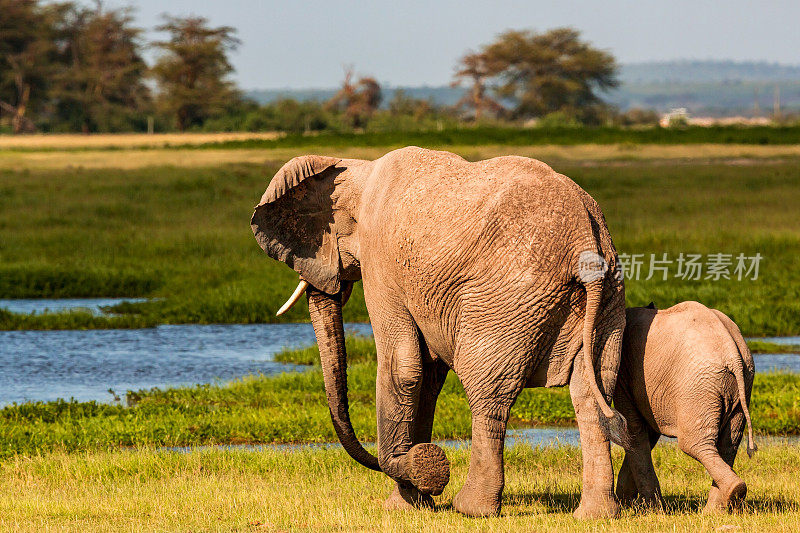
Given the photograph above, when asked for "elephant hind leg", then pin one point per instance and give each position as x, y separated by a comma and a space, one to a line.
729, 487
728, 445
490, 395
482, 493
597, 497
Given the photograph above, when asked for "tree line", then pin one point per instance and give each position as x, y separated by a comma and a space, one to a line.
65, 67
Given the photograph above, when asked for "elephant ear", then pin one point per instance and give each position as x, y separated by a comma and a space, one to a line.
293, 222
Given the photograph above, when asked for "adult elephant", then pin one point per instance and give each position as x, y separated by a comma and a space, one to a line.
500, 270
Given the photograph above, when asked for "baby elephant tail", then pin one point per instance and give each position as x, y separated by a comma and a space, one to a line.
736, 365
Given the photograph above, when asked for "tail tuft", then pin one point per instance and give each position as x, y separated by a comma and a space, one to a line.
617, 428
751, 446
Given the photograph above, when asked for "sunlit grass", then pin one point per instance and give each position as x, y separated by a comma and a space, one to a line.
323, 489
130, 158
123, 140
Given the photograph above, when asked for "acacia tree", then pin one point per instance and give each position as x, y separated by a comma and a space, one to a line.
358, 101
192, 73
551, 71
27, 49
102, 86
475, 69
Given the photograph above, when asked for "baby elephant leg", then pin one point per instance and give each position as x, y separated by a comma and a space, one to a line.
729, 487
728, 444
637, 476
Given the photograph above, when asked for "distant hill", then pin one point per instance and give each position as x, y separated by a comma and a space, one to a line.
685, 71
717, 88
442, 95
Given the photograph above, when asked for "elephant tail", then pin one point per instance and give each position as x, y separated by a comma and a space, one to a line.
594, 293
615, 422
736, 365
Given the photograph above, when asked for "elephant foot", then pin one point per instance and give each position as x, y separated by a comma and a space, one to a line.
474, 503
653, 503
593, 508
427, 468
626, 491
731, 498
406, 498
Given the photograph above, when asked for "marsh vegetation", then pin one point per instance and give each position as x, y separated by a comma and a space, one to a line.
181, 236
292, 408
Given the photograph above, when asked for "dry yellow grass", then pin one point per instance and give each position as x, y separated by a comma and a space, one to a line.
122, 140
133, 158
324, 490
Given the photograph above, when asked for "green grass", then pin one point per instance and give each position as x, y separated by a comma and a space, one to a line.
178, 234
531, 136
487, 135
292, 407
182, 235
323, 489
770, 347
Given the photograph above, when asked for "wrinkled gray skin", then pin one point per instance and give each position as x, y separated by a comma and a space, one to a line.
474, 267
686, 372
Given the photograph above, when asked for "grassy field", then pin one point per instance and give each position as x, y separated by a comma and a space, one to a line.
461, 136
182, 235
292, 407
123, 157
218, 490
105, 218
113, 141
757, 346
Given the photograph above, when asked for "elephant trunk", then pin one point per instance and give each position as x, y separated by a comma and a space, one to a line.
326, 317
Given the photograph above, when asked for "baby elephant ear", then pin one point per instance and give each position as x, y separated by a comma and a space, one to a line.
294, 221
651, 305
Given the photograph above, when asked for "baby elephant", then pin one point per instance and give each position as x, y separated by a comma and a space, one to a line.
686, 372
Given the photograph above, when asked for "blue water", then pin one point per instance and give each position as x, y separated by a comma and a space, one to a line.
769, 362
46, 365
541, 436
538, 436
40, 306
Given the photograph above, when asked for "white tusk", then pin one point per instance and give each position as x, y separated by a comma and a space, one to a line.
298, 292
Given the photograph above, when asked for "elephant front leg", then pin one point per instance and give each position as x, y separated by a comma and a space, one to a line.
421, 467
597, 497
434, 375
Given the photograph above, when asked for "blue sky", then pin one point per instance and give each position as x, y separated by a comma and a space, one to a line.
300, 44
